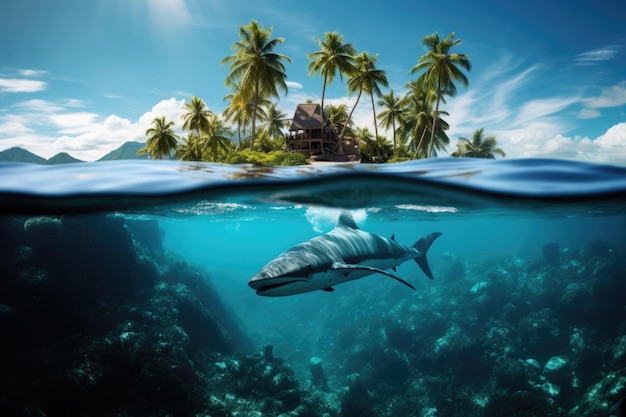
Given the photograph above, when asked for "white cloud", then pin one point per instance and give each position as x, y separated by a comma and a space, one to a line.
74, 123
82, 134
537, 109
610, 97
588, 114
542, 141
294, 85
536, 127
39, 106
597, 56
32, 73
18, 85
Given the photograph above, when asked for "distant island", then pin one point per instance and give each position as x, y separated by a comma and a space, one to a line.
127, 151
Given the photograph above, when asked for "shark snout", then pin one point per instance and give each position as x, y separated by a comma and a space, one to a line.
268, 285
262, 280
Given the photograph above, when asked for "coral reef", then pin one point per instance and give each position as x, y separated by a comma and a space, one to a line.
504, 337
97, 319
107, 325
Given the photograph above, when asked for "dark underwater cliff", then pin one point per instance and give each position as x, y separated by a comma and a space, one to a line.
104, 323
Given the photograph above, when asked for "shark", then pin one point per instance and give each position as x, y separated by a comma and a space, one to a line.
344, 254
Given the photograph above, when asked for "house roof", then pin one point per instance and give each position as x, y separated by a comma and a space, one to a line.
307, 116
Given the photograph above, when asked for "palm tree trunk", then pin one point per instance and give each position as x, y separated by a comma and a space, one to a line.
432, 132
350, 115
393, 126
238, 135
323, 94
254, 110
374, 111
419, 145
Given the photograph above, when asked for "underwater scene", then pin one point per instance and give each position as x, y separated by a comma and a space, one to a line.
434, 288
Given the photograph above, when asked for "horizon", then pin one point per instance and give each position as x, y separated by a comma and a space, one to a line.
547, 80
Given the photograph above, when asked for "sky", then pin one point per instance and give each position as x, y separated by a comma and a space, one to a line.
548, 78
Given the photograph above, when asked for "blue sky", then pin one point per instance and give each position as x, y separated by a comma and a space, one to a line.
83, 77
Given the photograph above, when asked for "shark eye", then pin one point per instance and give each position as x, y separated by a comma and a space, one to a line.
309, 267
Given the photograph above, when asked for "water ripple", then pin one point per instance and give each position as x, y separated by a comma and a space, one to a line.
444, 182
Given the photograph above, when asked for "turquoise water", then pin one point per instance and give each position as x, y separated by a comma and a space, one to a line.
138, 272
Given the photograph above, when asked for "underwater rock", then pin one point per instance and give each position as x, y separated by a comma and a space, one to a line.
357, 402
557, 369
480, 287
318, 378
619, 352
550, 389
268, 354
511, 375
518, 403
604, 398
533, 367
148, 235
101, 329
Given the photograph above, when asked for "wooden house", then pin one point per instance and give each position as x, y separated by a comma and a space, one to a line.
317, 140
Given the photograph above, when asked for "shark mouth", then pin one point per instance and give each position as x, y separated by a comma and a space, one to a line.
267, 288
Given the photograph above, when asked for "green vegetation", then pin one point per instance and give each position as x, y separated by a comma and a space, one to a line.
273, 158
257, 73
367, 79
441, 70
333, 57
161, 139
393, 113
255, 70
478, 146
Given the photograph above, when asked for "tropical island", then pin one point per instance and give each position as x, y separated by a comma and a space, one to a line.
250, 129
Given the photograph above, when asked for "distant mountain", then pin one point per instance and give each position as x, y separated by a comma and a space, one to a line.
127, 151
20, 155
62, 158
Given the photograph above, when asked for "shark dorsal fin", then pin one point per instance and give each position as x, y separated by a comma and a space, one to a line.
393, 237
346, 220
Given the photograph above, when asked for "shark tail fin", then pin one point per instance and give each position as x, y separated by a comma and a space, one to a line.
423, 245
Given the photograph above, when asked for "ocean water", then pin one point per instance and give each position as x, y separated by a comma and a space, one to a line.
124, 291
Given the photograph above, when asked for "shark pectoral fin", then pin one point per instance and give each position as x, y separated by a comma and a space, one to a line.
328, 289
338, 266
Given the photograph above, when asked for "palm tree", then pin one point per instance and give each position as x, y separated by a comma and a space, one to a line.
275, 121
334, 56
161, 139
255, 68
367, 78
338, 117
477, 147
189, 149
393, 113
196, 119
418, 113
242, 116
236, 114
215, 138
441, 70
